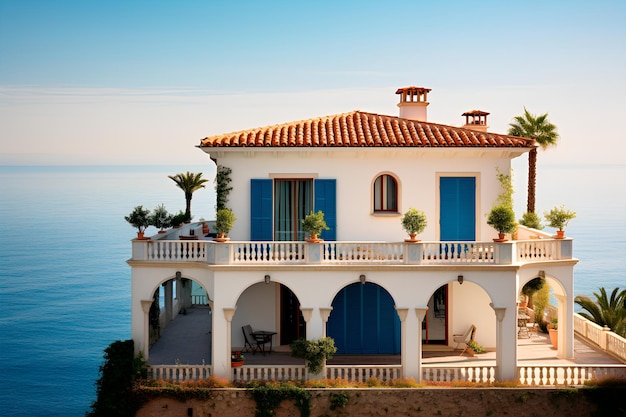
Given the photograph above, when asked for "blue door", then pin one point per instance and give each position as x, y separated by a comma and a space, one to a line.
364, 321
457, 213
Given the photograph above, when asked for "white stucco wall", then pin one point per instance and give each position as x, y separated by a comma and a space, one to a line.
417, 173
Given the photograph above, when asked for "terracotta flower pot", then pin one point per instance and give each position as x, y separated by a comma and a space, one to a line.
560, 234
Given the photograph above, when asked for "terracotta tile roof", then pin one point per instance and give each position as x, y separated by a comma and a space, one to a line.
361, 129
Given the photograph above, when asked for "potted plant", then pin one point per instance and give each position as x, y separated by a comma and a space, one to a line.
553, 331
474, 348
314, 352
160, 218
414, 222
559, 217
224, 221
139, 218
314, 224
236, 359
501, 218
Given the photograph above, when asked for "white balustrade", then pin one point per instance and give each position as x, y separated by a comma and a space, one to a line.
458, 252
176, 250
361, 373
566, 374
371, 252
270, 373
616, 345
484, 374
179, 372
537, 250
267, 252
332, 252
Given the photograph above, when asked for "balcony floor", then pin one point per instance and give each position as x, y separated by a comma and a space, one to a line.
187, 340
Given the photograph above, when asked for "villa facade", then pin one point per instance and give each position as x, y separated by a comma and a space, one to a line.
363, 285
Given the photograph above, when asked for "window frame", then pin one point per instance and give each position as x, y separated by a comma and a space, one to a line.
382, 196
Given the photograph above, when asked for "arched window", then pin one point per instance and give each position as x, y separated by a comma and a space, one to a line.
385, 194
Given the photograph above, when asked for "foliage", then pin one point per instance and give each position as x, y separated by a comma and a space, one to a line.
502, 218
545, 134
338, 399
314, 223
268, 398
541, 299
139, 218
189, 182
117, 375
179, 218
559, 217
532, 286
506, 196
554, 325
606, 310
472, 344
224, 221
314, 352
414, 221
160, 218
222, 189
531, 220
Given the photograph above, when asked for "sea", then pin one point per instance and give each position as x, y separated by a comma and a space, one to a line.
65, 284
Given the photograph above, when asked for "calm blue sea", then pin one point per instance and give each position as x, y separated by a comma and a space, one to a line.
65, 285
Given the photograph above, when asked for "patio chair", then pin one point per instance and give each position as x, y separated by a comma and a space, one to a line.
464, 338
252, 343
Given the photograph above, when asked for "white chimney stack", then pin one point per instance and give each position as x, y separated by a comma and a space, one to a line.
413, 103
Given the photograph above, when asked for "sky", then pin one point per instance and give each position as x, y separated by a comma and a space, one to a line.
141, 82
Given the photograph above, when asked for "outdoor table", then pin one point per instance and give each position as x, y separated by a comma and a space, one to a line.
264, 336
522, 321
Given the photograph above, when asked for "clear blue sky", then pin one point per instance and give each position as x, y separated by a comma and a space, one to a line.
140, 82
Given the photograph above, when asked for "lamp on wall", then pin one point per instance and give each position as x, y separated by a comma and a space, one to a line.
267, 279
178, 274
362, 278
460, 279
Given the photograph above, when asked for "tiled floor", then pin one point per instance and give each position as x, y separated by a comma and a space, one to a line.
187, 340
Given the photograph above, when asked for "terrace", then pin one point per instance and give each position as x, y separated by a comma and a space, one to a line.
184, 352
188, 244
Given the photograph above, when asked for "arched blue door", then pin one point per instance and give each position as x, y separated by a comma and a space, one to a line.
364, 321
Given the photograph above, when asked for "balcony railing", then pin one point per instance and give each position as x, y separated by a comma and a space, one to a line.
331, 252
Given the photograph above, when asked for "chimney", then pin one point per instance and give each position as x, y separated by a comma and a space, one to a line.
413, 103
476, 120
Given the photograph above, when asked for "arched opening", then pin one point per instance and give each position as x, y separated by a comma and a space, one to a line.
364, 321
180, 323
269, 307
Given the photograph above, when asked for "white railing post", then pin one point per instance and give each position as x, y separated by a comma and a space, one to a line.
313, 252
413, 253
503, 253
140, 249
222, 253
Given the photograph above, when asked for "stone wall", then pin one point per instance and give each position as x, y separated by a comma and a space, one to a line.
390, 402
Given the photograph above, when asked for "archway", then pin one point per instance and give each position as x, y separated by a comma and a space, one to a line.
364, 321
182, 321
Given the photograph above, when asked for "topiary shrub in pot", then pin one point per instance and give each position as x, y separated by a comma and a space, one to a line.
559, 217
224, 221
139, 218
502, 218
315, 352
414, 222
314, 224
160, 218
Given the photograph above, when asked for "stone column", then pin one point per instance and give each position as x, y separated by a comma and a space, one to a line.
222, 368
325, 314
145, 342
311, 332
168, 298
420, 314
503, 370
565, 335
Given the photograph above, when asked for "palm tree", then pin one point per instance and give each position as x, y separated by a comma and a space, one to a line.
606, 311
189, 183
545, 133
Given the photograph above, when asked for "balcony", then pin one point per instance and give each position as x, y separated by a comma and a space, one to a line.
189, 245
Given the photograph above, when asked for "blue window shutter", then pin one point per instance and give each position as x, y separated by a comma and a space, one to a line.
326, 200
457, 208
261, 209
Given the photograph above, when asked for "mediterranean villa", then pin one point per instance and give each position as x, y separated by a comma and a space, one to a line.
363, 285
